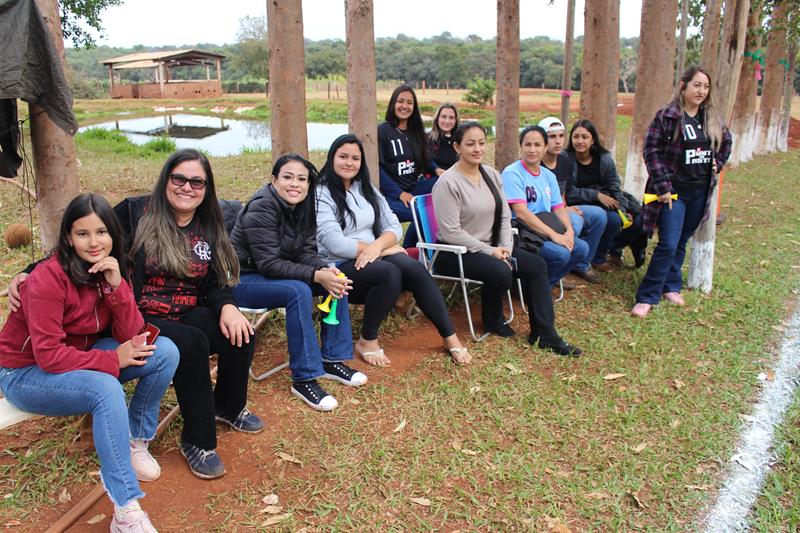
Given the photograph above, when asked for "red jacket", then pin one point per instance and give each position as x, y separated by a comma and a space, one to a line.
60, 321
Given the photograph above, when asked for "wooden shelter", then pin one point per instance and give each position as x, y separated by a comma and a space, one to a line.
162, 64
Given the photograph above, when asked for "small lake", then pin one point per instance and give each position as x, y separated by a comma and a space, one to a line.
216, 135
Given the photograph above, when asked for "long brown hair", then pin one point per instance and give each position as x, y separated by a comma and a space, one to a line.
161, 239
435, 131
712, 122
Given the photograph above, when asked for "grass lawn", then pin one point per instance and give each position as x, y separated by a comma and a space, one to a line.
521, 439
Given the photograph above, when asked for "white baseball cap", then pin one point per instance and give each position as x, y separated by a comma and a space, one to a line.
551, 124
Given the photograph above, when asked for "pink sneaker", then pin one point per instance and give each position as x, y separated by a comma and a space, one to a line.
674, 298
131, 519
144, 465
640, 310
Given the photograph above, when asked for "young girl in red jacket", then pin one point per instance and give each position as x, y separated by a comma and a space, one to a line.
73, 342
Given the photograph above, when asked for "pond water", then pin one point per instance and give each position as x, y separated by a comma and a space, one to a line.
216, 135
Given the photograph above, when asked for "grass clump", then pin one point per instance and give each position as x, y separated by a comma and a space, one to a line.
161, 145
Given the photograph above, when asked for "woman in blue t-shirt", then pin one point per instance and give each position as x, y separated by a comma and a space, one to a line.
532, 189
686, 145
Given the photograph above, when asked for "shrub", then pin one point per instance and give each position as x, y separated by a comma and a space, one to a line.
480, 91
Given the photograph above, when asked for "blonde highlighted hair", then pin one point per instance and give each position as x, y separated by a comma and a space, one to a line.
712, 122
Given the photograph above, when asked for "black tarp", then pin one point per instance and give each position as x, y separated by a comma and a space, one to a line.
30, 68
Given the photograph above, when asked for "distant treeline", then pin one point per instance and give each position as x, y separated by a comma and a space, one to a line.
441, 61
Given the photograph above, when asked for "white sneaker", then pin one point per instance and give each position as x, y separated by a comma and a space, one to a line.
145, 466
131, 519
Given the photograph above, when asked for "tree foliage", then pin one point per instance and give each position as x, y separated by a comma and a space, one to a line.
77, 15
480, 91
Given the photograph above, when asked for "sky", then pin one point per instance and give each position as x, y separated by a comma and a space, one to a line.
178, 22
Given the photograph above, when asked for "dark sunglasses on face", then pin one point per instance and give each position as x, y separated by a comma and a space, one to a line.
179, 180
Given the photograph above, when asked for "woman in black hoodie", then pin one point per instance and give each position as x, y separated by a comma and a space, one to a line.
275, 241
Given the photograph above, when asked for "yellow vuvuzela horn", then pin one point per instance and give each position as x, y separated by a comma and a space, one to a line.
649, 198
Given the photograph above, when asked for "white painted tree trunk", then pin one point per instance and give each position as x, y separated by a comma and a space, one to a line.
743, 132
701, 256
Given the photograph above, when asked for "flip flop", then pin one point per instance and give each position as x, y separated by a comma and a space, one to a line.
460, 355
374, 358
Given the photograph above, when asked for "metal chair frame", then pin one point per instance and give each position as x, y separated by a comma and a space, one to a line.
429, 252
257, 319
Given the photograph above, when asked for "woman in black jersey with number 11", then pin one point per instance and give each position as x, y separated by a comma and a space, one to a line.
404, 157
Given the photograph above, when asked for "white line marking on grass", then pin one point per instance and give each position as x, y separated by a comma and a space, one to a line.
751, 461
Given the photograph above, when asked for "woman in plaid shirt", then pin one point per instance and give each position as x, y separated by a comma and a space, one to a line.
686, 146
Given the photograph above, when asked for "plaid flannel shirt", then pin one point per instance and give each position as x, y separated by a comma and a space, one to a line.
661, 156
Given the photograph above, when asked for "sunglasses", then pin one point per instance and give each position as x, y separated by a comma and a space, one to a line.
179, 180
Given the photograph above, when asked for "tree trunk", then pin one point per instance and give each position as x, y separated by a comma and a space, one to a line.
743, 118
725, 78
710, 51
682, 41
600, 77
566, 78
768, 119
287, 77
653, 83
507, 59
361, 89
786, 106
54, 160
731, 51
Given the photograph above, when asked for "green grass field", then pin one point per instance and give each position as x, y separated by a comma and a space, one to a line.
520, 440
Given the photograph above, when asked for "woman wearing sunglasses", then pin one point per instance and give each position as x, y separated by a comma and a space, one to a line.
184, 268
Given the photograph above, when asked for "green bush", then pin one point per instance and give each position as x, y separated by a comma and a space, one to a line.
163, 145
480, 91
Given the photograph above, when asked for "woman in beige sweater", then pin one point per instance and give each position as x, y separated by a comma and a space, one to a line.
472, 212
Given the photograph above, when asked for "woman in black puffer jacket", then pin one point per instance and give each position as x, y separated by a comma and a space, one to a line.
275, 240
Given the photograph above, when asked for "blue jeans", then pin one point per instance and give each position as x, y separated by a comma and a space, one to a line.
305, 356
675, 227
589, 228
613, 227
114, 424
561, 261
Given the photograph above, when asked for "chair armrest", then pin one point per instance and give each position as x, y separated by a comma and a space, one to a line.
442, 247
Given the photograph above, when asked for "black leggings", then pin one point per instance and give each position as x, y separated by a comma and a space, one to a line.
197, 335
497, 279
378, 285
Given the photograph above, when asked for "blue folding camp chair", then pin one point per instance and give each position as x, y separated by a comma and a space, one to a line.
427, 227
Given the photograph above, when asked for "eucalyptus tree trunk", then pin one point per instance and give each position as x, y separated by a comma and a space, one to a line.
710, 50
507, 66
653, 83
743, 117
731, 51
768, 118
681, 66
566, 77
287, 77
786, 106
600, 76
54, 159
361, 89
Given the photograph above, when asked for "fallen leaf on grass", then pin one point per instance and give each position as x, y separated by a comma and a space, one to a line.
457, 444
400, 426
553, 525
611, 377
8, 496
474, 389
637, 500
64, 496
597, 496
560, 528
640, 448
697, 487
465, 451
678, 384
270, 499
289, 458
511, 368
12, 523
96, 519
277, 519
94, 473
271, 509
675, 423
354, 401
425, 502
